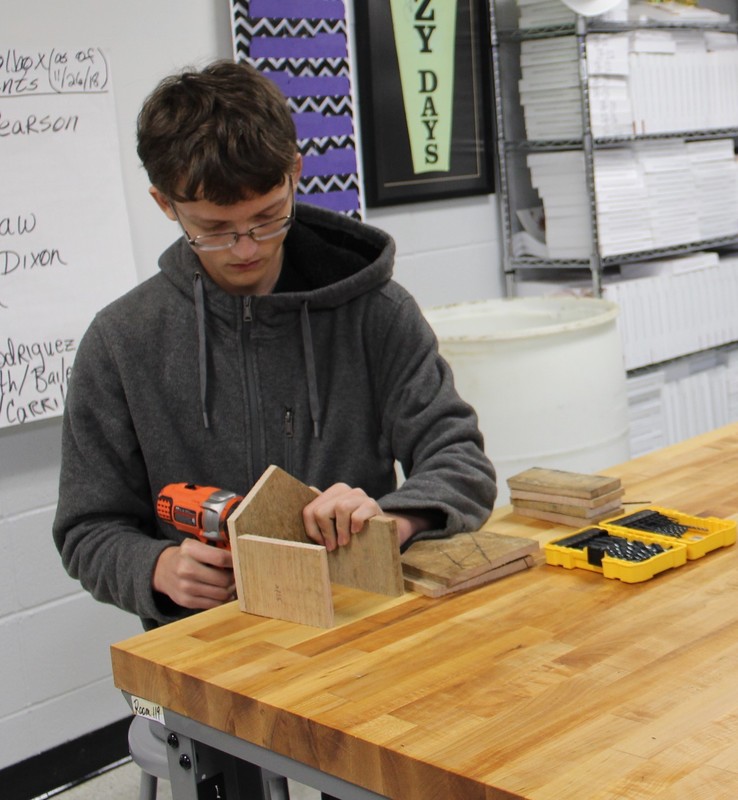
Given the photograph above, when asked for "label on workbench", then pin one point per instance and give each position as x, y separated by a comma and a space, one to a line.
145, 708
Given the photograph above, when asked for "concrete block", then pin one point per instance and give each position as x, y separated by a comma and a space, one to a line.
38, 572
14, 694
65, 646
9, 602
60, 720
17, 736
29, 468
450, 276
75, 714
440, 224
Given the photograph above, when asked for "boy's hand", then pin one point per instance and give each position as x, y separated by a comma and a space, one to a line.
340, 512
195, 575
337, 513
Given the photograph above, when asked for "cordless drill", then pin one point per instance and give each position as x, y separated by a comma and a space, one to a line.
201, 511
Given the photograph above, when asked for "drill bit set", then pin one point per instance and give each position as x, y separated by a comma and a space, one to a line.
634, 547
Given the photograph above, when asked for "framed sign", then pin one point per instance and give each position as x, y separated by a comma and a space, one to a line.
424, 98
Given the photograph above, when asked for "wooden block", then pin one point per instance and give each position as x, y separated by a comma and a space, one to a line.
562, 519
286, 580
562, 482
463, 556
584, 502
431, 588
569, 510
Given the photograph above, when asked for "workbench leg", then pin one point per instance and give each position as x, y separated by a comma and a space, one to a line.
200, 772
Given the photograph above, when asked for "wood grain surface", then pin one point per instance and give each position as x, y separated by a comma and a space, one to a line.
465, 556
568, 510
555, 517
563, 482
433, 588
583, 502
551, 684
286, 580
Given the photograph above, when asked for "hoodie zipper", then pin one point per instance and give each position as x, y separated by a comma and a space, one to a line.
289, 433
254, 422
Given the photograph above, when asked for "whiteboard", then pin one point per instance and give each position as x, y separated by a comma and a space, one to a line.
65, 247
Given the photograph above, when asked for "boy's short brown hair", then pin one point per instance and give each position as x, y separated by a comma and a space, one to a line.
221, 134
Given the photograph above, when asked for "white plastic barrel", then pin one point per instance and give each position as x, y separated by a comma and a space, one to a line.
546, 377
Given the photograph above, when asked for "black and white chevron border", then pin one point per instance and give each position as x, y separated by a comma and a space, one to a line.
304, 48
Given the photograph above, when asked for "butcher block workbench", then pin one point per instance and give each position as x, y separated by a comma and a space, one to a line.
550, 683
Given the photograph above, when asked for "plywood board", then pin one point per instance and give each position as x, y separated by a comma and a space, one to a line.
583, 502
562, 482
561, 519
286, 580
431, 588
371, 559
274, 507
463, 556
569, 510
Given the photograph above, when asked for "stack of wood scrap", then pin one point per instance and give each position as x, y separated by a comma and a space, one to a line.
569, 498
441, 566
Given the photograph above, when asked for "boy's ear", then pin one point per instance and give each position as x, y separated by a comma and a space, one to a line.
163, 202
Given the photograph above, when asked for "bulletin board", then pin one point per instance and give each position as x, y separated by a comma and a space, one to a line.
65, 248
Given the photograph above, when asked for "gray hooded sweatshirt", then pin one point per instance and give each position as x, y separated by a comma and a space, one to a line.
334, 376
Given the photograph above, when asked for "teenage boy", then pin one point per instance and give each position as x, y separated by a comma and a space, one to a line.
272, 334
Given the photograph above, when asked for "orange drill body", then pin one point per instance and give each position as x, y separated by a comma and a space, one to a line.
201, 511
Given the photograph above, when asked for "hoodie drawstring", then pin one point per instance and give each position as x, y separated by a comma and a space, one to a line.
312, 380
202, 350
307, 346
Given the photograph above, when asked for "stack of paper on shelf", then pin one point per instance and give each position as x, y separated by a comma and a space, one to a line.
623, 204
731, 385
568, 498
535, 13
560, 180
549, 88
668, 176
694, 396
682, 399
640, 192
643, 81
608, 66
715, 175
672, 307
646, 412
683, 80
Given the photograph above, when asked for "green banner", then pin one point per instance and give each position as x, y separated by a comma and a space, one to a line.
425, 36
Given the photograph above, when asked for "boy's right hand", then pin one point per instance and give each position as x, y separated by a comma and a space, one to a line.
195, 575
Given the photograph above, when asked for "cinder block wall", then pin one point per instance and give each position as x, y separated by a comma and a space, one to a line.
53, 637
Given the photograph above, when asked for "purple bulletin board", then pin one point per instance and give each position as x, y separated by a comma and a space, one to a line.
303, 46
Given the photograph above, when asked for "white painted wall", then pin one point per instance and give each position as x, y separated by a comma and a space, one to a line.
54, 661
